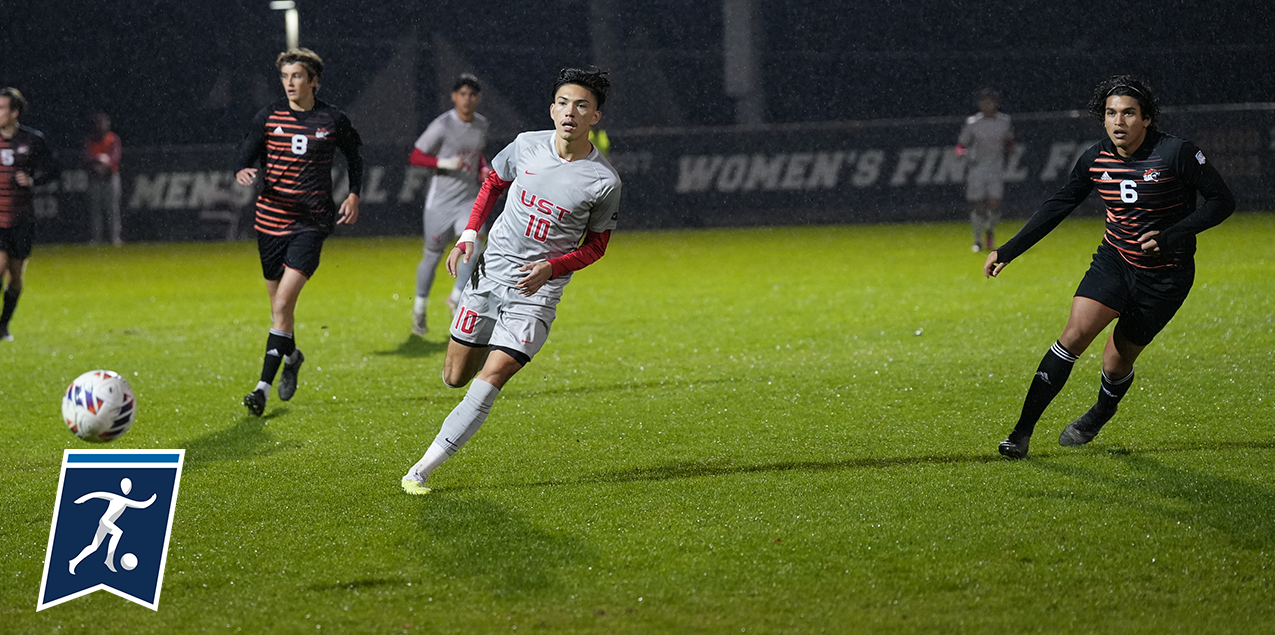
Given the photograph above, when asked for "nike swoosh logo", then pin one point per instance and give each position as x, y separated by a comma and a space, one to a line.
528, 172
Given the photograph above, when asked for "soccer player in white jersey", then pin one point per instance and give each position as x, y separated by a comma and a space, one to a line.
563, 202
986, 139
453, 146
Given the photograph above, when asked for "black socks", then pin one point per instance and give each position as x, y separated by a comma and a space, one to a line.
278, 346
1050, 377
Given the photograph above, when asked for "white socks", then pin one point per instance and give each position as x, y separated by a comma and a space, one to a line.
458, 427
419, 305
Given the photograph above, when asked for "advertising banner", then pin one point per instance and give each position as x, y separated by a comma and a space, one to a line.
890, 171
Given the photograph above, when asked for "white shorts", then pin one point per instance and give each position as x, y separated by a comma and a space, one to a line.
984, 184
497, 315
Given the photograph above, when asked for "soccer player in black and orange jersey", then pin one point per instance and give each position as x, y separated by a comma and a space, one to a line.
296, 139
25, 162
1145, 266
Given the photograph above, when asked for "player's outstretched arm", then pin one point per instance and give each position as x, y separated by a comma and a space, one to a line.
140, 505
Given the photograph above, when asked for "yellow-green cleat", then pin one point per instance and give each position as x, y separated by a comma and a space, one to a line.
414, 487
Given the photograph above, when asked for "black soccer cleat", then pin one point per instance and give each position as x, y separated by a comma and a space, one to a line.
4, 334
1015, 446
288, 378
256, 402
1084, 429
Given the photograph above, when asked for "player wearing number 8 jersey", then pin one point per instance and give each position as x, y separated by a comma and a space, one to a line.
1145, 266
563, 201
296, 138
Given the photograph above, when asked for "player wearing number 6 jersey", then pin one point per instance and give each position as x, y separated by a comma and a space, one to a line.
563, 200
1145, 266
296, 138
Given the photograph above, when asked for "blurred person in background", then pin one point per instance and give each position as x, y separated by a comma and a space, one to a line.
102, 153
985, 142
25, 162
452, 145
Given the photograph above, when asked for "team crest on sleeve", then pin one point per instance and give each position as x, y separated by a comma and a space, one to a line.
111, 524
1199, 156
1151, 176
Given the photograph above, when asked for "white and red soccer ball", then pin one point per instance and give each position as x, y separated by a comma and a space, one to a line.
99, 406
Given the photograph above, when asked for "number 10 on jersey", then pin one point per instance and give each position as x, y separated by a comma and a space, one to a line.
537, 228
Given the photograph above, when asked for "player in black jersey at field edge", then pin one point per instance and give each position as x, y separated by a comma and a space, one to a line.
25, 162
1145, 265
296, 139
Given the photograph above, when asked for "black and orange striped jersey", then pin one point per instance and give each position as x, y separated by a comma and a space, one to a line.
297, 149
1153, 190
26, 152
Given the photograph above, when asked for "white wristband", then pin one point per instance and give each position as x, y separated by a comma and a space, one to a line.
468, 236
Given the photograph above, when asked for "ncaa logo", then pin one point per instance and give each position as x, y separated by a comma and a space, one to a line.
111, 524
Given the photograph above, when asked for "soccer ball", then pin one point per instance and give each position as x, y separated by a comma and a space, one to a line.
99, 406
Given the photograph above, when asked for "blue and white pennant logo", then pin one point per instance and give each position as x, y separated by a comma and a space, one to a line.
111, 525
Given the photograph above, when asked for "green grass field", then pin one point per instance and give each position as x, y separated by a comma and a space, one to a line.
730, 431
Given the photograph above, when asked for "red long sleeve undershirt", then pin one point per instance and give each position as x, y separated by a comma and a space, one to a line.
594, 245
493, 187
424, 160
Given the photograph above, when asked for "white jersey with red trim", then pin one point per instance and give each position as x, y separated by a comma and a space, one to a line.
549, 206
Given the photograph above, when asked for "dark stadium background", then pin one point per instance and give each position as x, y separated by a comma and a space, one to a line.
194, 72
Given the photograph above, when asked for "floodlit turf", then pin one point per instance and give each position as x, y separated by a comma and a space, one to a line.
758, 430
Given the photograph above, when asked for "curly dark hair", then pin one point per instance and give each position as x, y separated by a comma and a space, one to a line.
1128, 86
591, 78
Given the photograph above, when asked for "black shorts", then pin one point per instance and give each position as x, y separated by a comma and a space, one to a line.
1146, 299
298, 251
17, 241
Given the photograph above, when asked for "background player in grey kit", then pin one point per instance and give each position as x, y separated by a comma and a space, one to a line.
561, 191
453, 146
985, 140
1145, 266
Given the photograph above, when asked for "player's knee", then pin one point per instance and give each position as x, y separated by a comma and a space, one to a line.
453, 382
